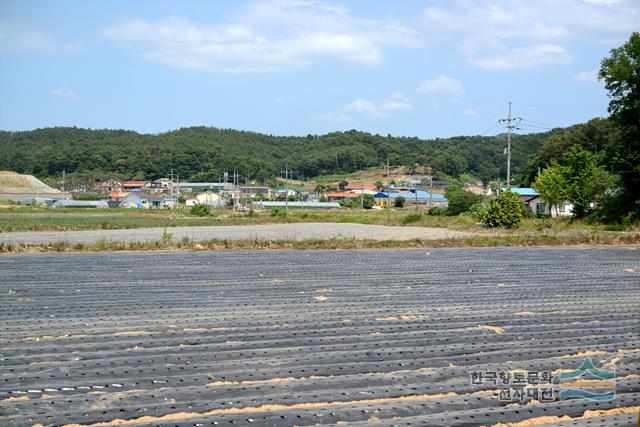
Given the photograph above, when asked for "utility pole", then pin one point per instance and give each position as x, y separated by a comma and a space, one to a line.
510, 126
388, 194
430, 189
173, 186
64, 171
416, 193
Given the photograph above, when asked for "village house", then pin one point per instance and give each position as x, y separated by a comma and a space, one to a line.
162, 185
422, 198
254, 191
134, 185
211, 199
338, 196
532, 200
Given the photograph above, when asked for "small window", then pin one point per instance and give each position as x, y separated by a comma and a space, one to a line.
561, 208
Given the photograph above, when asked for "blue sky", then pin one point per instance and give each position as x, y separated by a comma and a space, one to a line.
415, 68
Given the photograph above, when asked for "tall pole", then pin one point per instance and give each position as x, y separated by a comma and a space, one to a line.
510, 126
172, 190
430, 188
388, 194
509, 149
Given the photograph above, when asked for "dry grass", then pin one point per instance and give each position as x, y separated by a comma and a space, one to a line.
593, 238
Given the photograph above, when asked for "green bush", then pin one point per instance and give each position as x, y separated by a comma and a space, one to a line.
350, 203
504, 210
460, 200
437, 211
399, 202
277, 212
368, 201
411, 218
200, 210
477, 210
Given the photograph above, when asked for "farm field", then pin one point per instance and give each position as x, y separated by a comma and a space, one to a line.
281, 338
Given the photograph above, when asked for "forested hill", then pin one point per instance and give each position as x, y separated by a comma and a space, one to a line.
201, 153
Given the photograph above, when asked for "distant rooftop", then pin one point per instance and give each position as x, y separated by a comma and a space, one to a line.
202, 184
523, 191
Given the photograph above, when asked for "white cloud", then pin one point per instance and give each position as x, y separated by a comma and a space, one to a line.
442, 85
523, 58
382, 108
519, 34
469, 112
265, 37
587, 76
62, 93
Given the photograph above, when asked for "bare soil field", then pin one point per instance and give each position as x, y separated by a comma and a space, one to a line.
343, 337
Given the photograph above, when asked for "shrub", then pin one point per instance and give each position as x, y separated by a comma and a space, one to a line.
277, 212
368, 201
350, 203
477, 210
200, 210
411, 218
437, 211
166, 237
526, 212
101, 243
460, 200
399, 202
504, 210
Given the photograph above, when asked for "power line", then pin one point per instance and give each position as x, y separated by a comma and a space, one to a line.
547, 125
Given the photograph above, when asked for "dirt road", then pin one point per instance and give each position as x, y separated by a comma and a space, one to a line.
297, 231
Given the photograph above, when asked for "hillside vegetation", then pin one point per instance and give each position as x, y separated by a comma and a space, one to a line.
201, 153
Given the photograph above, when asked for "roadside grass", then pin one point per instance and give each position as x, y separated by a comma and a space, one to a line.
168, 243
134, 218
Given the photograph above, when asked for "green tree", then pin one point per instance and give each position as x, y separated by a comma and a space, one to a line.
460, 200
399, 202
586, 182
504, 210
342, 185
552, 186
379, 185
367, 201
621, 74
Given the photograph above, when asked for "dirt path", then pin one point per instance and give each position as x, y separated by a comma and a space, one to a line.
298, 231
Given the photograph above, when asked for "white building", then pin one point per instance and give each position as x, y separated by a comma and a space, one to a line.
532, 200
211, 199
537, 206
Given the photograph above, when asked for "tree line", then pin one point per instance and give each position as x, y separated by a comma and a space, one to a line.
203, 153
596, 166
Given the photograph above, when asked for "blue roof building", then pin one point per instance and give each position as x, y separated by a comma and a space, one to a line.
524, 191
423, 198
